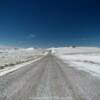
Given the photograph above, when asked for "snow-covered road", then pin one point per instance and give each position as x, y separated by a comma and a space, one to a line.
49, 79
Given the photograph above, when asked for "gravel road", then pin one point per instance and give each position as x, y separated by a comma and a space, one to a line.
49, 79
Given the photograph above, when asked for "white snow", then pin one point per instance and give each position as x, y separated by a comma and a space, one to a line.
93, 58
82, 58
94, 69
30, 49
70, 50
13, 56
16, 67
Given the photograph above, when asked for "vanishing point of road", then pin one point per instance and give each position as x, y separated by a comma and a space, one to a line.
49, 79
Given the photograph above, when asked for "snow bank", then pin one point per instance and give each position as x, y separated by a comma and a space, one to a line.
15, 56
10, 69
82, 58
94, 69
93, 58
70, 50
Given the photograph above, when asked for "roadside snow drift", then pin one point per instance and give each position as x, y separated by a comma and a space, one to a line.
82, 58
13, 56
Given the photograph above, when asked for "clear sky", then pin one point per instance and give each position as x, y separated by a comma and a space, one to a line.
48, 23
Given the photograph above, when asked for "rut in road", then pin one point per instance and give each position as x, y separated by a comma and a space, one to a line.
49, 79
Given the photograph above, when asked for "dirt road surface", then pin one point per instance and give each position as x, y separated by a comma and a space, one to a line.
49, 79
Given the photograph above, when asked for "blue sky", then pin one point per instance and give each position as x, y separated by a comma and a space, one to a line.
45, 23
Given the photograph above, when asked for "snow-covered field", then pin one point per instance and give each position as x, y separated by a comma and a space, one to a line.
82, 58
13, 56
